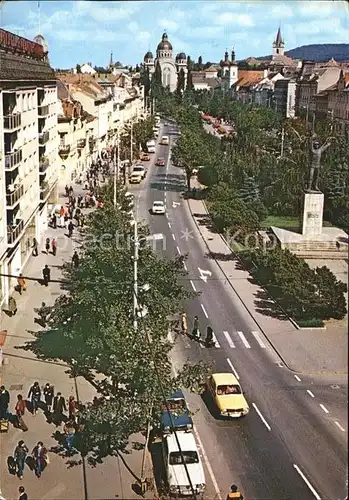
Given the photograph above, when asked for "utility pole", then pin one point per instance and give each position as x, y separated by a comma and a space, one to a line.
135, 276
313, 123
116, 164
282, 142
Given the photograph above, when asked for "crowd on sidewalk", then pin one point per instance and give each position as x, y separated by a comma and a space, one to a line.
57, 409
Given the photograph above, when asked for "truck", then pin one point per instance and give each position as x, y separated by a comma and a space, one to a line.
151, 146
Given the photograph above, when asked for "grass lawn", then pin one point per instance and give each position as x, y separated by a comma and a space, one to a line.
285, 222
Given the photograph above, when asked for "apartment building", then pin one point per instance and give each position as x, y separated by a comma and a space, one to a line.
28, 149
338, 105
285, 97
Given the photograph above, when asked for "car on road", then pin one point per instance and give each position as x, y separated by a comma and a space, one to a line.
182, 478
144, 157
178, 417
140, 169
158, 207
136, 178
165, 140
227, 395
160, 162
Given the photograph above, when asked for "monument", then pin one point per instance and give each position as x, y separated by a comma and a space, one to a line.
315, 241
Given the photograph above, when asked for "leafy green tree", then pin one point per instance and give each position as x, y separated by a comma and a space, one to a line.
143, 132
186, 153
91, 329
157, 77
180, 82
146, 81
200, 66
78, 68
208, 176
189, 85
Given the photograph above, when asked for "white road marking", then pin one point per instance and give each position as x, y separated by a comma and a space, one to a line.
204, 310
339, 426
193, 286
178, 250
230, 342
233, 369
312, 489
297, 378
310, 393
214, 338
244, 340
173, 236
323, 407
261, 416
169, 224
208, 465
259, 340
204, 273
185, 266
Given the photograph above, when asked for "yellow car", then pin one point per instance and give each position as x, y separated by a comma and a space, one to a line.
145, 157
227, 395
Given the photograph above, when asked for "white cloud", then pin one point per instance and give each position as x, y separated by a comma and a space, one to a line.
108, 14
233, 18
179, 45
318, 9
168, 24
202, 32
133, 27
143, 37
281, 11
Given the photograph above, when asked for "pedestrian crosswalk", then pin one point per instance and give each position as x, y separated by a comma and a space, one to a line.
221, 340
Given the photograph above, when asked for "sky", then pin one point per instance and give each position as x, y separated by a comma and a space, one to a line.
83, 30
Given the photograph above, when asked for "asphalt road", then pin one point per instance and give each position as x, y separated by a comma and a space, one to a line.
293, 443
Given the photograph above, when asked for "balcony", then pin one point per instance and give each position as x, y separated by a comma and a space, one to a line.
44, 137
45, 190
81, 143
64, 151
43, 111
14, 231
13, 159
12, 122
13, 198
43, 164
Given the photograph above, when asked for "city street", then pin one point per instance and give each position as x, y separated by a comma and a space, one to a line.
293, 443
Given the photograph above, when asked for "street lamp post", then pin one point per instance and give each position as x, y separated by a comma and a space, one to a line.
116, 164
135, 276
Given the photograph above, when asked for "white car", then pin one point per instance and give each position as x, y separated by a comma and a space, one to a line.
176, 473
158, 207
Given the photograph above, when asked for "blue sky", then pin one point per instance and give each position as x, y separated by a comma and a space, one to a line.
81, 31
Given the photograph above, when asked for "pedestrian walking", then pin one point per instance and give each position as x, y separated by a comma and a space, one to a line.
66, 191
21, 284
196, 331
54, 246
43, 312
59, 408
184, 323
53, 221
12, 306
48, 395
82, 220
69, 431
70, 229
35, 245
47, 245
75, 260
34, 395
22, 493
46, 273
72, 408
39, 454
4, 402
20, 454
71, 191
20, 410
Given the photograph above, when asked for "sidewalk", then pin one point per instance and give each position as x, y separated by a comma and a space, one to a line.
66, 478
303, 350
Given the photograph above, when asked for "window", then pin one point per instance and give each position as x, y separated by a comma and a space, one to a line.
228, 389
190, 457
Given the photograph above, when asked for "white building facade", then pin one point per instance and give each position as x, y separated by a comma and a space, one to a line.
29, 147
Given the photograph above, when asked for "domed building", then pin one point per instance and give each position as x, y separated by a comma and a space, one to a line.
170, 66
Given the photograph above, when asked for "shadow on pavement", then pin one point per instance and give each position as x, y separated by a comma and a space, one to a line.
220, 256
155, 450
266, 306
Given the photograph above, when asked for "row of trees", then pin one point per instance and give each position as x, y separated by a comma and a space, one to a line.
249, 175
91, 328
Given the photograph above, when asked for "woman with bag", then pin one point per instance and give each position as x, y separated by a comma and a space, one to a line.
20, 410
39, 454
20, 454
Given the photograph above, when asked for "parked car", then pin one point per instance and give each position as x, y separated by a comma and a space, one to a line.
165, 141
176, 473
141, 169
136, 178
179, 418
227, 395
144, 157
160, 162
158, 207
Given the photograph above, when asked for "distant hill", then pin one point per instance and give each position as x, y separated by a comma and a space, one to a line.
318, 52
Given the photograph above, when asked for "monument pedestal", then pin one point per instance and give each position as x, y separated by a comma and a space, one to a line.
315, 242
313, 210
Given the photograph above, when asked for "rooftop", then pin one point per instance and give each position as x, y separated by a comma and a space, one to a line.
22, 69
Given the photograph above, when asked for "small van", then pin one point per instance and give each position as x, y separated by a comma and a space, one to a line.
139, 169
136, 178
151, 146
165, 141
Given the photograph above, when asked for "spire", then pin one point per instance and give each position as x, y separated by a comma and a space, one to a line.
279, 41
111, 59
233, 56
226, 55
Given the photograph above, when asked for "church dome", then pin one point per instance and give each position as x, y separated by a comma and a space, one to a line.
180, 56
164, 44
148, 55
41, 41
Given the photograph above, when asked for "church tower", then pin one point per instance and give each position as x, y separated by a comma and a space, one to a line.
278, 45
233, 70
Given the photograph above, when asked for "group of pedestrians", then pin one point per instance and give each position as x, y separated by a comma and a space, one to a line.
208, 341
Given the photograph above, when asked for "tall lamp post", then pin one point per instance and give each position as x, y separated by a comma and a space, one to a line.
116, 164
